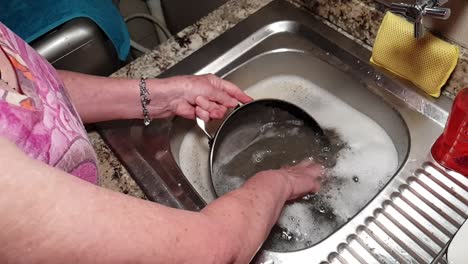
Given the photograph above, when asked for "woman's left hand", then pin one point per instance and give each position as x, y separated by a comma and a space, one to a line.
204, 96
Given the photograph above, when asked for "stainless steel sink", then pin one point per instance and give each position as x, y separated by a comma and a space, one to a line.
414, 216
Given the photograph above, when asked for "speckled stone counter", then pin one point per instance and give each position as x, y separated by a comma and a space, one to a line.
191, 39
358, 19
112, 174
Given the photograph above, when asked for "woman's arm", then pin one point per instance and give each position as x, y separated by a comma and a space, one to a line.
49, 216
103, 98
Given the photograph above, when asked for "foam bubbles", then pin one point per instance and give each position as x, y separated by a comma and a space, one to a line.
370, 157
193, 159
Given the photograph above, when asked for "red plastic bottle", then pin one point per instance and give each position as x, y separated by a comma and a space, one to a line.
451, 149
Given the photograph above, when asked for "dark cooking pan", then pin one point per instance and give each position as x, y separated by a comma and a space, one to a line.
261, 135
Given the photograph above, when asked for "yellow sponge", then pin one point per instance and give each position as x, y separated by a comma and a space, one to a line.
426, 62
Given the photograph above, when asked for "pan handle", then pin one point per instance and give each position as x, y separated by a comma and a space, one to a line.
202, 125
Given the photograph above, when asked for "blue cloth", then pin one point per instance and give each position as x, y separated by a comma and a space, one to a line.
31, 19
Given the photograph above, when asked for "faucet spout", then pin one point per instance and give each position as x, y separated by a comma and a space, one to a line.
417, 11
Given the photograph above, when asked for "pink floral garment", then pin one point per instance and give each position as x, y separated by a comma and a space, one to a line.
41, 119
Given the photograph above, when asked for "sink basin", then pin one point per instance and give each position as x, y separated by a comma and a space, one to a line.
290, 63
412, 214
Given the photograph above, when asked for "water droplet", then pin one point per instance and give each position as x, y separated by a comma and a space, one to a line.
308, 197
328, 53
322, 209
257, 157
326, 149
378, 80
179, 184
287, 235
355, 178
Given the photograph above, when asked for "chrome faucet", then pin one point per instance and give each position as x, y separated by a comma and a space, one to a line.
415, 12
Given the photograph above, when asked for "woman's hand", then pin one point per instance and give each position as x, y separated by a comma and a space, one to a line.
204, 96
300, 179
100, 99
257, 205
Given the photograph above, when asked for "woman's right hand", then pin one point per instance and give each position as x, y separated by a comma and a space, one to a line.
301, 179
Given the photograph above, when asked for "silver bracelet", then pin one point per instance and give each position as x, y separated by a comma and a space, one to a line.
144, 101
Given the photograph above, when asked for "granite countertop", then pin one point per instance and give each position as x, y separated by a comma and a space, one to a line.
358, 19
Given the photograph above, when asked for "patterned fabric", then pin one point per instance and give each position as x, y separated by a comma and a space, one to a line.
40, 118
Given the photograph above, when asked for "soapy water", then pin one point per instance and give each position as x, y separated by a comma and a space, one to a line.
284, 141
363, 157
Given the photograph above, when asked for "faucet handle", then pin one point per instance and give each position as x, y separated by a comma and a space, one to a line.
415, 12
411, 12
437, 12
440, 2
399, 7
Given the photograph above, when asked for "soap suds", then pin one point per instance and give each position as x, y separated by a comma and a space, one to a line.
367, 162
